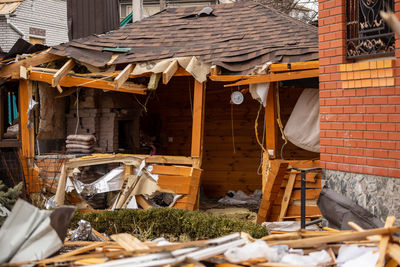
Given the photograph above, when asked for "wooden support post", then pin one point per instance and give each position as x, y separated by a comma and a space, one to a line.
198, 122
270, 122
27, 137
62, 72
123, 76
287, 195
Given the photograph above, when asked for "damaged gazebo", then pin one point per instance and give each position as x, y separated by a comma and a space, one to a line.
141, 92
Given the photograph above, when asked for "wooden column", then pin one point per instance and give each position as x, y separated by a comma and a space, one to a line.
27, 137
198, 122
270, 122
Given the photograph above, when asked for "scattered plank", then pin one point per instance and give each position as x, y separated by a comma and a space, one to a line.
170, 71
129, 242
123, 76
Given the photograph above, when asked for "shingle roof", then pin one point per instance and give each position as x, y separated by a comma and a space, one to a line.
236, 36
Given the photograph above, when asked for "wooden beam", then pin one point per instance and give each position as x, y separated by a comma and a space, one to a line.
27, 135
198, 120
270, 122
383, 243
36, 60
170, 71
123, 76
275, 77
339, 237
294, 66
67, 67
287, 195
215, 70
71, 81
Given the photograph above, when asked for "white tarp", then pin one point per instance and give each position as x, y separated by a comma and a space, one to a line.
194, 66
302, 128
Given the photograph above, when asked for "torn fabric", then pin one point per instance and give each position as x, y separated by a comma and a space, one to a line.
302, 128
259, 92
194, 66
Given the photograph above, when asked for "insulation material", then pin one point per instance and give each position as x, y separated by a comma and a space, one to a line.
302, 128
111, 181
259, 92
33, 234
197, 68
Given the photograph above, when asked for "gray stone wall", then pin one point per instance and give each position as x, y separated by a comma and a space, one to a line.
379, 195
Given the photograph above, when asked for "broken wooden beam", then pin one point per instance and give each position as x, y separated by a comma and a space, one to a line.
68, 66
170, 71
41, 58
123, 76
71, 81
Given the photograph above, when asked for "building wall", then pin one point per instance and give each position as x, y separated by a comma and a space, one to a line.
360, 115
48, 15
8, 35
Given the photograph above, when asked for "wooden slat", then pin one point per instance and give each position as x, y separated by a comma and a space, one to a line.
123, 76
143, 202
294, 66
295, 210
36, 60
70, 81
198, 120
178, 180
170, 71
287, 195
68, 66
275, 77
172, 170
276, 173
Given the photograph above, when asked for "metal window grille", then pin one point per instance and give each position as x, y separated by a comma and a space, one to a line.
367, 34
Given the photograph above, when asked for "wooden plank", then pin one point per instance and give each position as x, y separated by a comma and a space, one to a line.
143, 202
60, 193
36, 60
71, 81
178, 180
193, 197
129, 242
170, 71
294, 66
339, 237
172, 170
383, 243
295, 210
198, 120
177, 188
123, 76
394, 252
270, 122
276, 77
287, 195
67, 67
277, 171
2, 113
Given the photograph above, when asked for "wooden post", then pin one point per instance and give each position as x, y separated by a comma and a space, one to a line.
270, 122
2, 113
27, 137
198, 122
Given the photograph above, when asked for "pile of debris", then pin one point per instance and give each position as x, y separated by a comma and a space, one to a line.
330, 247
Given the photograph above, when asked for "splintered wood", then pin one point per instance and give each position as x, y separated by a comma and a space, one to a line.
127, 250
183, 180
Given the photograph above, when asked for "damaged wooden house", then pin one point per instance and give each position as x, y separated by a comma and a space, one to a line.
175, 91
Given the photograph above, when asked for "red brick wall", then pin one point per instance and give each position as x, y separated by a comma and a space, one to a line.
359, 102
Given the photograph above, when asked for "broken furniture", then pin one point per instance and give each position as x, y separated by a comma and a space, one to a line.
174, 176
282, 191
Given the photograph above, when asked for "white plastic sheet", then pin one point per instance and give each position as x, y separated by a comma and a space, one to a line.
256, 249
354, 255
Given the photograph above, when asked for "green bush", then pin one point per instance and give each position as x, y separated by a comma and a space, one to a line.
173, 224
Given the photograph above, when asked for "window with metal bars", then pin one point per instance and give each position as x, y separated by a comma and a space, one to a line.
366, 33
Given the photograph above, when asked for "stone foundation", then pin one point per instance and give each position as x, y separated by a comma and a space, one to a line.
379, 195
